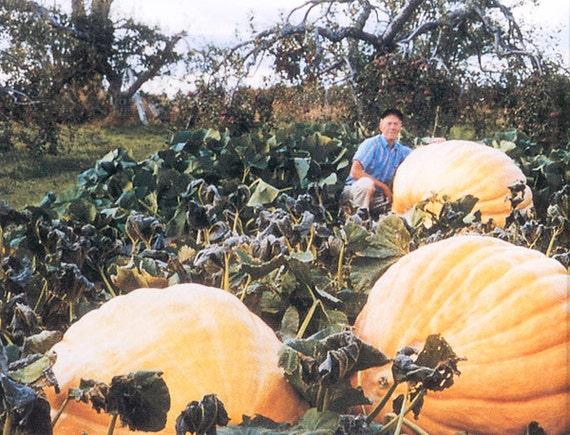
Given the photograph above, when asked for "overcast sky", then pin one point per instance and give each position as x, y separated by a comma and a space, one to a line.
210, 18
215, 18
221, 17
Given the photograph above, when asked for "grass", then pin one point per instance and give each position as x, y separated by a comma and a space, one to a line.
25, 178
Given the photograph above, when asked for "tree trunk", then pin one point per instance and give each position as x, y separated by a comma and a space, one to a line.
123, 107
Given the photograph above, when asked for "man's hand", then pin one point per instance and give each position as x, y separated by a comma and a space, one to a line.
385, 189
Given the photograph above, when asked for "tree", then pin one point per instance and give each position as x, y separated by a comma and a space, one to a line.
64, 66
433, 48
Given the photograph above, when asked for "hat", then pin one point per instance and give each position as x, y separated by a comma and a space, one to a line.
394, 112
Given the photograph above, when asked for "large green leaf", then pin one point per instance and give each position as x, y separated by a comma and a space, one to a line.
320, 368
389, 242
264, 193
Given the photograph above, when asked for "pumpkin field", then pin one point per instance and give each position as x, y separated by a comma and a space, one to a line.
193, 238
221, 285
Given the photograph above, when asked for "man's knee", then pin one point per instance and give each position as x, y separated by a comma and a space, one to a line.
364, 185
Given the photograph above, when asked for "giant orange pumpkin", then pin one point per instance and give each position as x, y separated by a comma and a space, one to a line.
455, 169
505, 308
203, 339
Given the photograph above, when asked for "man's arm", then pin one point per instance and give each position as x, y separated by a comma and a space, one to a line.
357, 172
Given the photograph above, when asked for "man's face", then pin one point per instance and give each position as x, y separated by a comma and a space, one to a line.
390, 126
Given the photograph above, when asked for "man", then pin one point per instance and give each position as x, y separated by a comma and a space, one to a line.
369, 184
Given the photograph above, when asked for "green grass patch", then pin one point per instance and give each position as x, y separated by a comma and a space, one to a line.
26, 178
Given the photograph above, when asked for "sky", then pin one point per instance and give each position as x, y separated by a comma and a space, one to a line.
217, 20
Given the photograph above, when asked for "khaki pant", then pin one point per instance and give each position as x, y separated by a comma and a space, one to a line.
363, 194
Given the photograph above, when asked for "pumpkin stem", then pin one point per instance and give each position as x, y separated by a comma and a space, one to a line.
59, 412
417, 430
7, 423
436, 121
226, 275
112, 424
311, 238
41, 296
246, 171
236, 219
555, 234
400, 418
106, 281
413, 426
309, 316
339, 266
244, 291
403, 410
382, 403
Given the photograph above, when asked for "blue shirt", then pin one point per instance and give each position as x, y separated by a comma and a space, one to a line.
379, 160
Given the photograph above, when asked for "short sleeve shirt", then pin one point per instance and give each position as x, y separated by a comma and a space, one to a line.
379, 160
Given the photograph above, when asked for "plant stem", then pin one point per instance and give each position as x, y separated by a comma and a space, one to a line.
7, 421
382, 403
244, 292
308, 318
339, 278
402, 413
106, 281
557, 231
59, 412
236, 218
41, 296
112, 424
226, 278
311, 238
417, 429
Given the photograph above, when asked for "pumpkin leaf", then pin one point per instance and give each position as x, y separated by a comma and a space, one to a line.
433, 369
438, 354
320, 368
256, 425
357, 424
202, 417
390, 241
29, 412
302, 166
32, 369
534, 428
264, 193
141, 399
315, 420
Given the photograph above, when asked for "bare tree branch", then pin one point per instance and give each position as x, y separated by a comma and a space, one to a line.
160, 60
399, 21
398, 32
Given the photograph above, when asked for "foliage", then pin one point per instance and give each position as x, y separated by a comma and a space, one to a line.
547, 168
341, 61
324, 37
257, 214
57, 66
321, 366
539, 103
419, 88
140, 399
202, 417
21, 374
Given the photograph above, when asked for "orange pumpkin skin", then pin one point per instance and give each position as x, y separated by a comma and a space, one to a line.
455, 169
203, 339
504, 308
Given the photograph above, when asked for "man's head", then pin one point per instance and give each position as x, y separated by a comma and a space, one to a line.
394, 112
391, 122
